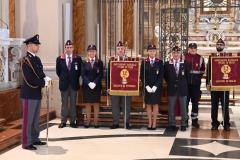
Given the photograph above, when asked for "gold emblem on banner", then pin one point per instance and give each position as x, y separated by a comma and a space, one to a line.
124, 75
226, 69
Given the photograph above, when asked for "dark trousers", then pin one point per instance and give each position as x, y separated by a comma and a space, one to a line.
217, 96
68, 96
118, 102
194, 94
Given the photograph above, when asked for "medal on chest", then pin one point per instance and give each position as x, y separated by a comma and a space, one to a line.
76, 66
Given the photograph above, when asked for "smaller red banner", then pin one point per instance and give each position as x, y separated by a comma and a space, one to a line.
124, 78
225, 73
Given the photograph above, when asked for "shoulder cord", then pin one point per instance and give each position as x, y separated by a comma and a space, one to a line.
27, 61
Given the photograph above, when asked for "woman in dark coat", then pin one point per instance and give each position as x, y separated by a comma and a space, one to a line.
152, 76
92, 73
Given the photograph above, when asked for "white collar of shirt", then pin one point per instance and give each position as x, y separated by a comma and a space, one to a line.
32, 54
152, 59
92, 59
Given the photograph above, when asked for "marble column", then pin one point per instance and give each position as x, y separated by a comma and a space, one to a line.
91, 21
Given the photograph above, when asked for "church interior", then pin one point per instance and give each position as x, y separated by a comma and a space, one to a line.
138, 23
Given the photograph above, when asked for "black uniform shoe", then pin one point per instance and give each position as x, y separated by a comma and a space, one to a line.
96, 126
226, 128
128, 126
62, 125
73, 125
214, 128
195, 124
86, 126
153, 128
183, 128
39, 143
30, 147
115, 126
149, 128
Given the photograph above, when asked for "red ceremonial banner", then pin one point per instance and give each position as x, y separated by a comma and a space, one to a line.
225, 73
124, 78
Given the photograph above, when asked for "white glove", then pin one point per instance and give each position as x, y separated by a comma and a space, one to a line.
47, 81
91, 85
154, 88
48, 78
149, 89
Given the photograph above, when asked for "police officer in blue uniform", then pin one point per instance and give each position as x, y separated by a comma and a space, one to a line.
34, 80
92, 73
68, 69
152, 76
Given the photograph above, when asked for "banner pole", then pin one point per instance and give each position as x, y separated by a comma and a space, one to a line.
125, 115
224, 107
47, 94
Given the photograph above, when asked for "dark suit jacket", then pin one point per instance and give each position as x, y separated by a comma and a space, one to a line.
94, 74
153, 74
68, 78
177, 85
31, 79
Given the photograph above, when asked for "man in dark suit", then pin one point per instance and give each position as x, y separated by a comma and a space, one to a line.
68, 69
175, 74
34, 80
216, 96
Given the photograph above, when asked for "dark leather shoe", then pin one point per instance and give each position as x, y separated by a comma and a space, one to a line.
214, 128
96, 126
115, 126
73, 125
183, 128
39, 143
153, 128
86, 126
128, 126
195, 124
62, 125
227, 128
30, 147
149, 128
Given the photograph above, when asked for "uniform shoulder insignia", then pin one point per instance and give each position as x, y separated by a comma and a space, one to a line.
147, 60
157, 59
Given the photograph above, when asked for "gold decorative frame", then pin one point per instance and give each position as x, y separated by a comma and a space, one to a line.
218, 9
